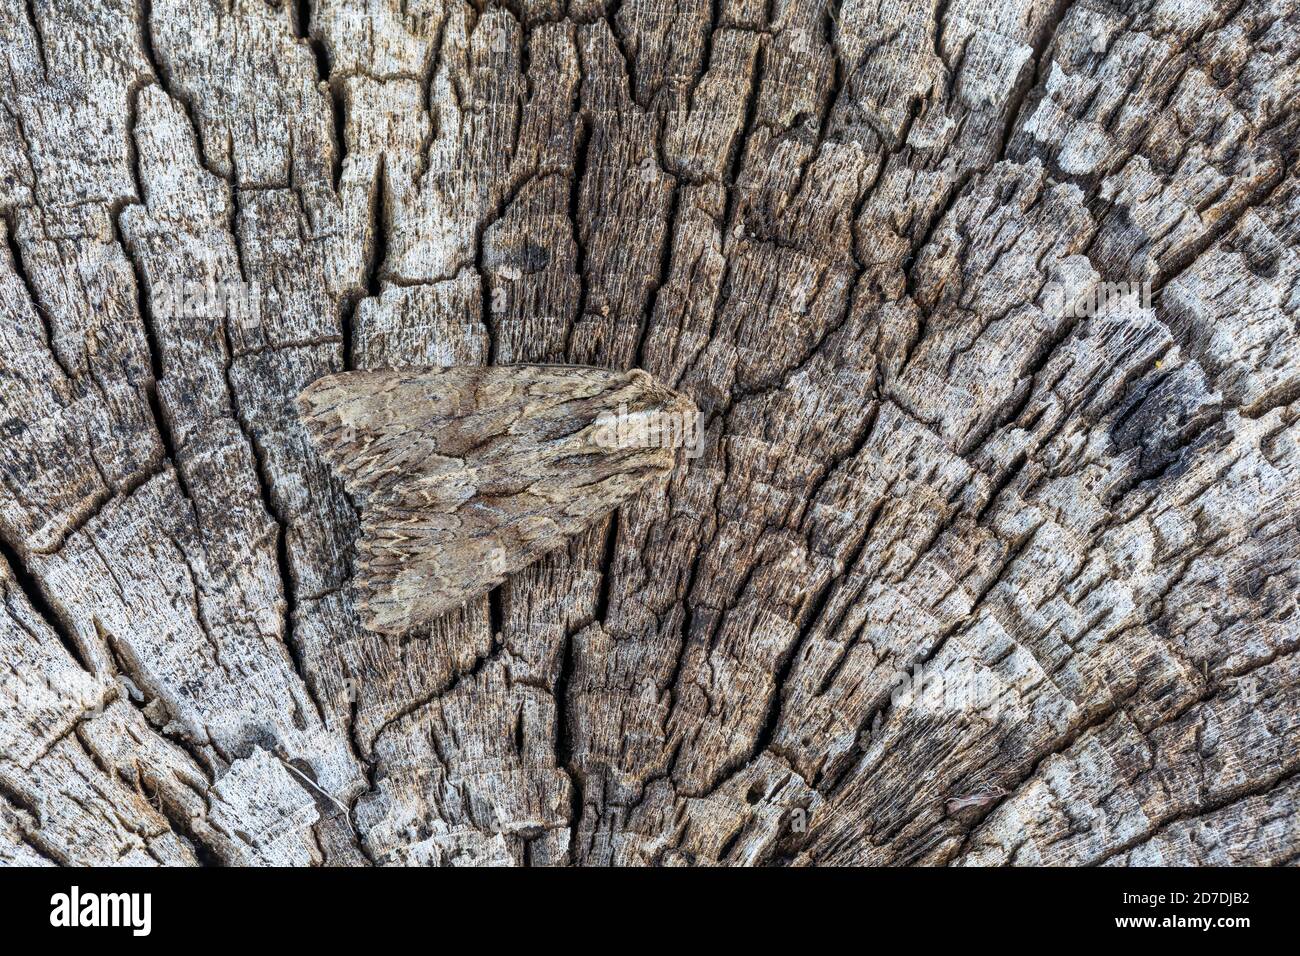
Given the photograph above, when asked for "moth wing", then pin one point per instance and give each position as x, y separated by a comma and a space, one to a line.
416, 562
470, 474
377, 428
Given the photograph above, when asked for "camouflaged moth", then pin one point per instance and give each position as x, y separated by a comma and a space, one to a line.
467, 474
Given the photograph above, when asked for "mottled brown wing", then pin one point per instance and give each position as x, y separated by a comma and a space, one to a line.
469, 474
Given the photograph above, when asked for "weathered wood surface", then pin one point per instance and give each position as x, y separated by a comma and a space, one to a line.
845, 230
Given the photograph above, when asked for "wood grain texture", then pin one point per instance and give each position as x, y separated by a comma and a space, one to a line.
990, 308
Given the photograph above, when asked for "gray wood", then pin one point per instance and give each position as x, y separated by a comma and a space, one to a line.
990, 307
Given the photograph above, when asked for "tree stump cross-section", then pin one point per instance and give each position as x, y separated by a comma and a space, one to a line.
992, 310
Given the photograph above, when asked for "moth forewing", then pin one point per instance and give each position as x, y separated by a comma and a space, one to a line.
469, 474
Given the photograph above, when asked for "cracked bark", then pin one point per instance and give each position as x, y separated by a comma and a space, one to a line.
835, 226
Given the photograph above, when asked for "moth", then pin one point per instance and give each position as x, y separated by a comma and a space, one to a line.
468, 474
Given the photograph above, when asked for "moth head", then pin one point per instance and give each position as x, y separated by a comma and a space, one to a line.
657, 418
